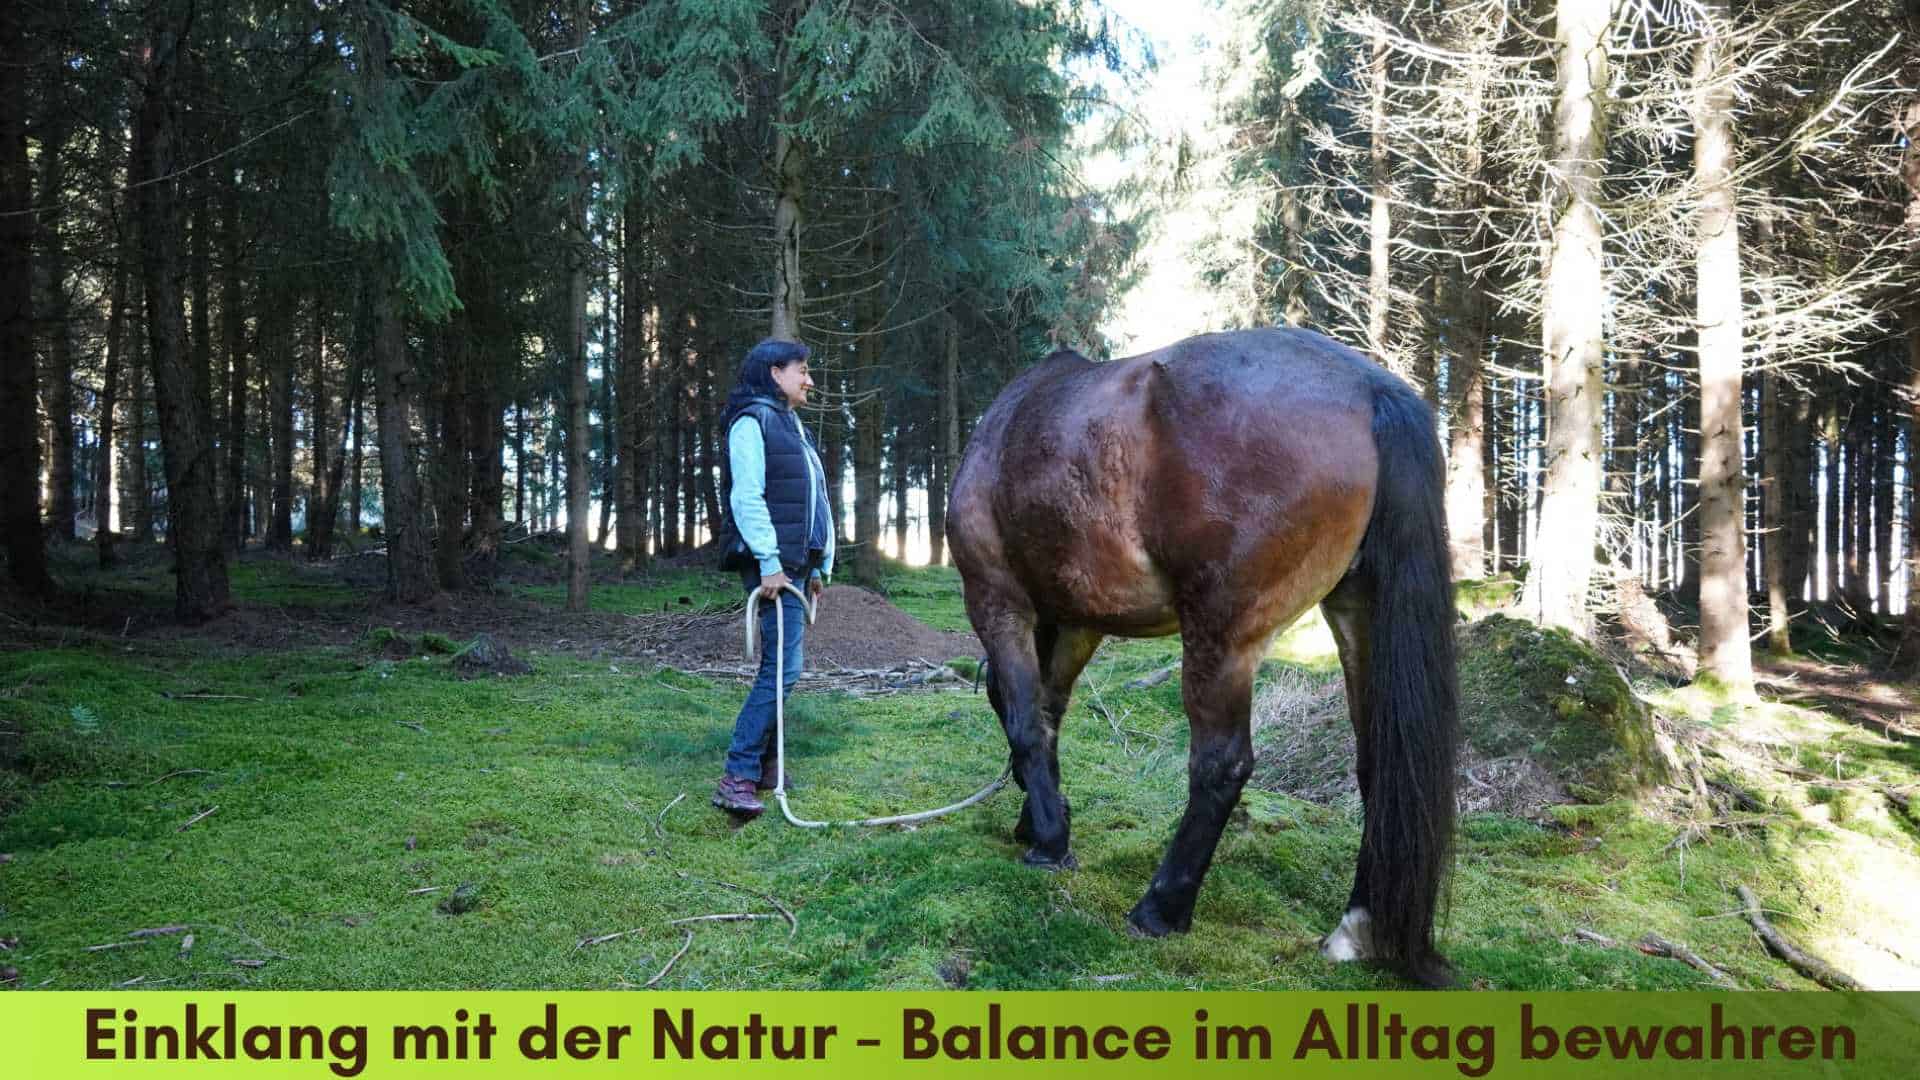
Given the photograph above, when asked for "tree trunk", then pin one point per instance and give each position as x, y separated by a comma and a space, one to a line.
630, 522
1883, 448
833, 459
319, 499
450, 486
1562, 550
60, 478
1724, 652
575, 344
1830, 537
609, 480
277, 337
789, 165
233, 332
1466, 475
1907, 659
103, 478
1858, 537
193, 512
1380, 224
19, 394
900, 484
409, 564
949, 439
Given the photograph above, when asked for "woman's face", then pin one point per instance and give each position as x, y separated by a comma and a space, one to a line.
793, 381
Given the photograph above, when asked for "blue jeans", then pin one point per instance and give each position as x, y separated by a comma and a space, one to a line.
753, 728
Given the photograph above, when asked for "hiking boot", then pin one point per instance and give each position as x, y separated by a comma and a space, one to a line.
735, 795
767, 768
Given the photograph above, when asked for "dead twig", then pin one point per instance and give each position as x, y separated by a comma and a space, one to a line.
424, 891
1596, 937
110, 945
155, 931
730, 916
604, 938
417, 727
659, 820
208, 697
1654, 945
688, 944
180, 772
197, 818
1152, 679
1806, 964
793, 922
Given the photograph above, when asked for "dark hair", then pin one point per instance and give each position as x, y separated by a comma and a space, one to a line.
756, 374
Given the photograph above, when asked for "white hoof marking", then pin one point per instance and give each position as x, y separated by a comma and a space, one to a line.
1352, 939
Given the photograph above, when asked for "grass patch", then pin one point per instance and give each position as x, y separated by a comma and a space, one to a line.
541, 811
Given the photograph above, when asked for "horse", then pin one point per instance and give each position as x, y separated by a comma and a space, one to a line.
1218, 488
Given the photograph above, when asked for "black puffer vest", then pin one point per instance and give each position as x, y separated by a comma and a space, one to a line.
791, 489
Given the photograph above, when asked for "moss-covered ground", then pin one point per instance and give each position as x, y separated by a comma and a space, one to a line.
308, 813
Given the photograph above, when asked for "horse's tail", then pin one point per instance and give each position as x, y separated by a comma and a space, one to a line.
1413, 727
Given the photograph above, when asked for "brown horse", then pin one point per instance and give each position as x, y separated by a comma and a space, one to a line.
1218, 488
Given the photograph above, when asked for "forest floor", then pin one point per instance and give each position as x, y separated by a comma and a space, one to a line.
307, 794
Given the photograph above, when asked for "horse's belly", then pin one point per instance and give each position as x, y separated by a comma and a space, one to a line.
1109, 585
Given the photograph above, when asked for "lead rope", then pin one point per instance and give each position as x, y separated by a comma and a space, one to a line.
780, 720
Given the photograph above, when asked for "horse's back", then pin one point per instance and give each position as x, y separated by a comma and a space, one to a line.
1107, 491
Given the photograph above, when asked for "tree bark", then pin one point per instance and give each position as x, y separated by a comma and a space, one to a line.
1883, 448
193, 512
575, 232
233, 332
1556, 592
278, 341
103, 478
409, 564
319, 498
1380, 223
59, 389
1466, 474
450, 486
949, 429
19, 392
789, 164
635, 343
1724, 652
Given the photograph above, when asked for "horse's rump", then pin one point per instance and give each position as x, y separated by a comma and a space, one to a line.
1110, 490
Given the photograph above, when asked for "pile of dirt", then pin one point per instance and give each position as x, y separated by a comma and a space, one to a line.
1546, 720
856, 629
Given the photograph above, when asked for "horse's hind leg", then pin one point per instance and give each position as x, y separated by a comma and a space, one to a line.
1015, 691
1347, 612
1063, 654
1217, 685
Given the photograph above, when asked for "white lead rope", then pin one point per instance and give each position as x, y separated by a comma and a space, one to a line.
780, 719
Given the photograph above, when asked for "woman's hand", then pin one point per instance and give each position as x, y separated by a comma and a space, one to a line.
771, 584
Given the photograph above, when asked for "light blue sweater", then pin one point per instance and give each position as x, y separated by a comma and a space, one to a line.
747, 457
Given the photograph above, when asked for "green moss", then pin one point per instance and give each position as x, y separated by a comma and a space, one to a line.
1477, 597
1545, 694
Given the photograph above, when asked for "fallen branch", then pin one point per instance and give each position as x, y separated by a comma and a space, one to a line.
604, 938
208, 697
1806, 964
180, 772
793, 922
155, 931
1654, 945
660, 820
424, 891
1596, 937
109, 945
410, 724
197, 818
650, 983
731, 916
1153, 679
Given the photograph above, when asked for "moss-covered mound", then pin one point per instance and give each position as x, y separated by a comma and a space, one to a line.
1546, 696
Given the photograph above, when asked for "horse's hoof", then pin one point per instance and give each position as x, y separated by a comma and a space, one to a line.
1351, 940
1146, 921
1036, 857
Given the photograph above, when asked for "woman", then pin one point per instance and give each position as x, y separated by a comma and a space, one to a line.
777, 492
